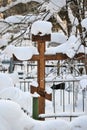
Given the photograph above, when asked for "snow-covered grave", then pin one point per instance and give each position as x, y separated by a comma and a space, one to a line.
13, 118
74, 94
60, 49
8, 91
26, 53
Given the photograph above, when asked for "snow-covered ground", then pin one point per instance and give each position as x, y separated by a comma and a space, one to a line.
13, 118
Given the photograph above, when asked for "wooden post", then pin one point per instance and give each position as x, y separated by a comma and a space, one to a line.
35, 108
41, 75
41, 68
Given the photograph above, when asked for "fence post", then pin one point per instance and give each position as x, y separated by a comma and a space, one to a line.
11, 67
83, 95
35, 113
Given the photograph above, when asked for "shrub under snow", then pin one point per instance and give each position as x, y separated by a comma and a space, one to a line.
24, 99
79, 123
13, 118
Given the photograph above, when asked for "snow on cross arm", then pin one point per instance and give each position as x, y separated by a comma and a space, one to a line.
25, 52
71, 47
58, 37
21, 53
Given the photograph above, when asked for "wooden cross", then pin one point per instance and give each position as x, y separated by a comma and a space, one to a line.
41, 58
41, 71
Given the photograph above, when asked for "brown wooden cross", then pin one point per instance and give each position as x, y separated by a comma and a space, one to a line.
41, 71
41, 58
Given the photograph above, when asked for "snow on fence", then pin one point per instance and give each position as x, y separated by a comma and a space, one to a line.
63, 115
67, 96
26, 77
